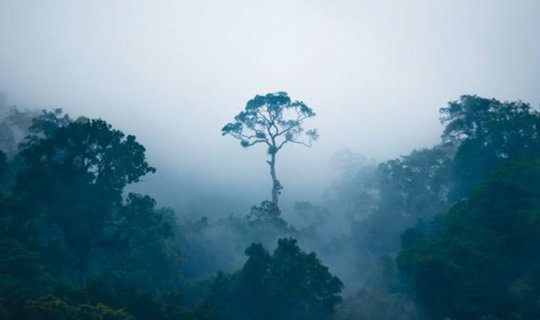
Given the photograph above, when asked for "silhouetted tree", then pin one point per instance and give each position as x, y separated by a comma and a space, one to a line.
487, 132
139, 245
274, 120
47, 122
481, 259
74, 178
67, 217
289, 284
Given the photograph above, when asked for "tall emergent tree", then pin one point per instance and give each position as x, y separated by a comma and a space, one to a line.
275, 120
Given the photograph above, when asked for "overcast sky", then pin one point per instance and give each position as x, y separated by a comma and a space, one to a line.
174, 72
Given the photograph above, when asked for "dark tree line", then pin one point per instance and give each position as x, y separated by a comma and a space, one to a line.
480, 135
425, 209
454, 227
75, 245
479, 260
465, 212
67, 224
288, 284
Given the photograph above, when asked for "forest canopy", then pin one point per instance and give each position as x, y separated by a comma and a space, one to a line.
446, 232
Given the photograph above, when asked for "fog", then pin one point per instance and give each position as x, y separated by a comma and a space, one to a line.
376, 73
174, 72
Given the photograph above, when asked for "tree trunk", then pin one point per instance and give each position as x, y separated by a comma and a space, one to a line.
276, 186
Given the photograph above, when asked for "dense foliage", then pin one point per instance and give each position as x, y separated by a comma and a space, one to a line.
478, 260
450, 231
481, 258
289, 284
67, 225
74, 244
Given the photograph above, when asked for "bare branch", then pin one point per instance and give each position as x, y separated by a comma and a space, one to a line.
263, 116
285, 131
249, 144
247, 140
309, 145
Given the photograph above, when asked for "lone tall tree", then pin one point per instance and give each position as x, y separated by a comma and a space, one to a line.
274, 120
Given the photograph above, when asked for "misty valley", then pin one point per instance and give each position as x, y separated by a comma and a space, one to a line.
450, 231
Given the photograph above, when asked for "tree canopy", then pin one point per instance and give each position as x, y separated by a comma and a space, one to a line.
75, 176
274, 120
481, 258
75, 243
487, 132
288, 284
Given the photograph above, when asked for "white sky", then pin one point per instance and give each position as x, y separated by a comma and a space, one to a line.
174, 72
